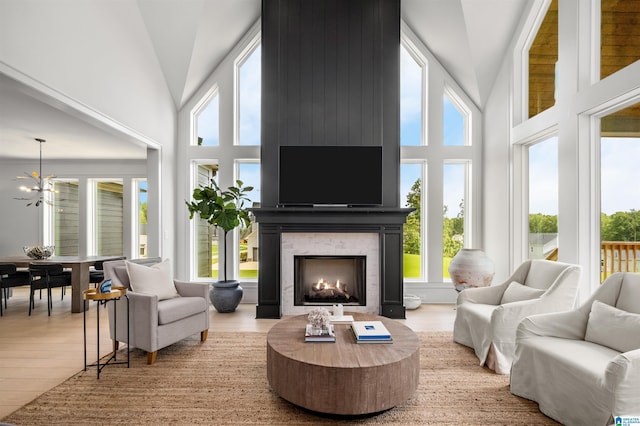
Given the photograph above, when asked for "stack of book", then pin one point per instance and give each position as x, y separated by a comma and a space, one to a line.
370, 332
312, 334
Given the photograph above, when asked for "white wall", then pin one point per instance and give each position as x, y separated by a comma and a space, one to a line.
110, 73
95, 52
496, 201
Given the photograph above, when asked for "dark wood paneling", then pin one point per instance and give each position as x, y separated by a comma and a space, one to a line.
330, 76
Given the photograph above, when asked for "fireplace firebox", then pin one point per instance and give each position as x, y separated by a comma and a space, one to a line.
327, 280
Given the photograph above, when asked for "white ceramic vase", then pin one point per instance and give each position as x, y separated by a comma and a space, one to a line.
471, 268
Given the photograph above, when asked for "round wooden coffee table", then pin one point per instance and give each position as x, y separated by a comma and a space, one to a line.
344, 377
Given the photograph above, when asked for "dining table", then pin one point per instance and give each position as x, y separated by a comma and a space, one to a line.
79, 266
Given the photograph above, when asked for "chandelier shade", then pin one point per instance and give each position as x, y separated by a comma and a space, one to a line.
39, 187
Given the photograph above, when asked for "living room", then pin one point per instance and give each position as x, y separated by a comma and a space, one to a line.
147, 106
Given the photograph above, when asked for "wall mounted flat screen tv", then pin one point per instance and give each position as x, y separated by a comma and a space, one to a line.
330, 175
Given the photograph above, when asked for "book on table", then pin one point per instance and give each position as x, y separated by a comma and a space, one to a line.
312, 334
370, 332
345, 319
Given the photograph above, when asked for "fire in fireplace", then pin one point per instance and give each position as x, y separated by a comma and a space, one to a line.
326, 280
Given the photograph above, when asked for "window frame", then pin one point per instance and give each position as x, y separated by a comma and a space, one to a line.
434, 155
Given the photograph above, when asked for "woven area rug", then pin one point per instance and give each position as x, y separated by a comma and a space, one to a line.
223, 381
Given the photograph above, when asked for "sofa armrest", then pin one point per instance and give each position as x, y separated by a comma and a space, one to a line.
622, 376
486, 295
567, 325
192, 289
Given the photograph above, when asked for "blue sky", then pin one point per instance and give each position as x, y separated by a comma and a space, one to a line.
618, 176
411, 130
249, 174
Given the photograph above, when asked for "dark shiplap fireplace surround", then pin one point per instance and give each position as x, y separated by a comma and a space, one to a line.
330, 76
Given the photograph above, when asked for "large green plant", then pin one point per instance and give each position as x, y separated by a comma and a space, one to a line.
222, 208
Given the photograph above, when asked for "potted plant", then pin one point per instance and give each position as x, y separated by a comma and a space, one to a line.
224, 209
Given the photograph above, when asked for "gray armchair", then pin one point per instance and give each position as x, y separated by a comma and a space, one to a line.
153, 323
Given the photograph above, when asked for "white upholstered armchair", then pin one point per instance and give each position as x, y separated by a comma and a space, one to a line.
163, 311
487, 317
582, 367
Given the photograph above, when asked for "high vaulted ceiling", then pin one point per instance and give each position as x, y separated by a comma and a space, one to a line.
190, 38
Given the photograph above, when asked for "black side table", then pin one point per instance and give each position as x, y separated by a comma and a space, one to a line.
102, 299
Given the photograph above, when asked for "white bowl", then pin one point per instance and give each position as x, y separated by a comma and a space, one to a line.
411, 301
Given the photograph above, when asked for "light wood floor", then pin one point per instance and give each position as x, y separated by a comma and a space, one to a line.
38, 352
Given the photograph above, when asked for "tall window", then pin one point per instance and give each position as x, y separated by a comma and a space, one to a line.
108, 218
66, 218
619, 35
236, 155
249, 174
249, 89
207, 122
411, 196
435, 172
619, 200
453, 212
543, 57
411, 99
141, 201
206, 241
543, 199
454, 124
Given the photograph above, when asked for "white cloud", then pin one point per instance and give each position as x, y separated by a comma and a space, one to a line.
620, 174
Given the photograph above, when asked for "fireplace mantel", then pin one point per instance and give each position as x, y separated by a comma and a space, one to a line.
362, 217
386, 222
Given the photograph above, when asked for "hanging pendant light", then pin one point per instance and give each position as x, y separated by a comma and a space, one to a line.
40, 185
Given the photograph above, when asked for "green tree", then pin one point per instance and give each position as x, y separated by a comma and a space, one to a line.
543, 224
411, 237
620, 226
143, 213
452, 231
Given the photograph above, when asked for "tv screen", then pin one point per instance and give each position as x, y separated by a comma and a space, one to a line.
330, 175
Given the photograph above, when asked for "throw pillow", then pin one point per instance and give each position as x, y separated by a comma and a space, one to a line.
612, 327
517, 292
155, 279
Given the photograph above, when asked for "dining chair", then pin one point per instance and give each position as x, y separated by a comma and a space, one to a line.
96, 275
10, 277
45, 276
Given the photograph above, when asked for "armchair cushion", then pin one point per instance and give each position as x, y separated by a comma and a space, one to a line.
175, 309
155, 279
517, 292
613, 327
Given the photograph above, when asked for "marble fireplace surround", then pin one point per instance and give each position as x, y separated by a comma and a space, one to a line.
329, 244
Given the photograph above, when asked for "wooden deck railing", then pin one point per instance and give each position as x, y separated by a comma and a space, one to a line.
619, 256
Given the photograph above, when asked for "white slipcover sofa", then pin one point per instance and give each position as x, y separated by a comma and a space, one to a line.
487, 317
159, 317
582, 367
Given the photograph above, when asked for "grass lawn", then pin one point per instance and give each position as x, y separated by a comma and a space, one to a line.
412, 266
248, 273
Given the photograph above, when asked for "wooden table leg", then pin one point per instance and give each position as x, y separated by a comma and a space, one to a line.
79, 283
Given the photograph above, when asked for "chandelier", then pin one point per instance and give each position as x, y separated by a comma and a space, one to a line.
40, 186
